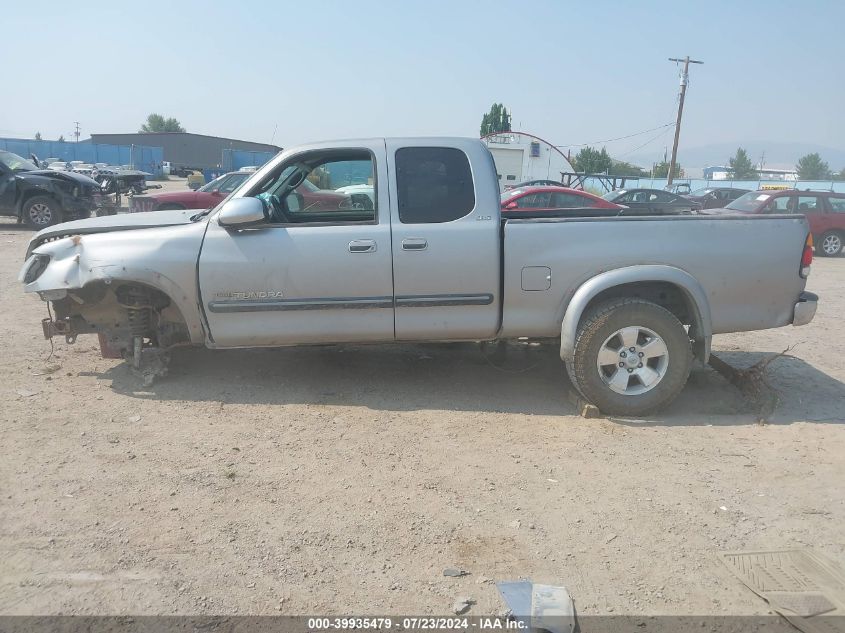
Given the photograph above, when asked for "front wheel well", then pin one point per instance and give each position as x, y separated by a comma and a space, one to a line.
124, 309
35, 193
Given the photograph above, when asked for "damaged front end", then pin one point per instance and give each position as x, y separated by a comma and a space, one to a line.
133, 320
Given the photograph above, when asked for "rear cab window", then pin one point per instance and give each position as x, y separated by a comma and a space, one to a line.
434, 185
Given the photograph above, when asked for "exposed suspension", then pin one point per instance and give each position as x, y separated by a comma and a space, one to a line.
139, 309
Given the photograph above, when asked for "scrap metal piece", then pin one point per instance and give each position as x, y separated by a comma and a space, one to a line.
541, 607
149, 364
799, 584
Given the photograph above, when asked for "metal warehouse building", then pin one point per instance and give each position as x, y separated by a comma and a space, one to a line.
186, 149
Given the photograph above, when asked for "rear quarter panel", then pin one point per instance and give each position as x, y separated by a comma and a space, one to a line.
747, 265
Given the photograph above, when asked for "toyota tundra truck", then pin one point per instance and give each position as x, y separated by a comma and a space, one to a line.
631, 301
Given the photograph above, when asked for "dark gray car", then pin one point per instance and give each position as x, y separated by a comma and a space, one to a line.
651, 202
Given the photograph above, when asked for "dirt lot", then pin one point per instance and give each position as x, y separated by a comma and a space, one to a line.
345, 480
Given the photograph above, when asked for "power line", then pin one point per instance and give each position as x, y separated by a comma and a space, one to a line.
619, 138
651, 140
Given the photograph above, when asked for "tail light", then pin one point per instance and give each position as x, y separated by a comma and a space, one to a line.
807, 257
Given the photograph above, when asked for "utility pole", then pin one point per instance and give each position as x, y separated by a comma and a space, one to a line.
684, 81
76, 131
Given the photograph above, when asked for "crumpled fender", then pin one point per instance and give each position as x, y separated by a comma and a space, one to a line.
125, 256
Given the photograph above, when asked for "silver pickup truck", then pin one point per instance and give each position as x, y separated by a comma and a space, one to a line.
416, 248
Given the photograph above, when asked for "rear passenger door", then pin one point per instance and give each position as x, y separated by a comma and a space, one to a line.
445, 237
813, 208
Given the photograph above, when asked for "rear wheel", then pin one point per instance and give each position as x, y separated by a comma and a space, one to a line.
830, 244
631, 357
41, 211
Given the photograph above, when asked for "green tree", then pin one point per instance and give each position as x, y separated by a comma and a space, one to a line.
661, 170
621, 168
157, 123
61, 138
497, 120
741, 166
592, 161
812, 167
38, 136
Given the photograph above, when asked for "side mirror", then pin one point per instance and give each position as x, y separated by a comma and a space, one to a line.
512, 205
241, 213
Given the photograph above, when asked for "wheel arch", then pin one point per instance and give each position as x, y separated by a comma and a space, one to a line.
673, 288
34, 192
179, 299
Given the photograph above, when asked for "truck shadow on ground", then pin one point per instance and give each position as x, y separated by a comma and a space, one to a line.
460, 377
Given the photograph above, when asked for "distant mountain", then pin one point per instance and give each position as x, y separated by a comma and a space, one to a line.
779, 155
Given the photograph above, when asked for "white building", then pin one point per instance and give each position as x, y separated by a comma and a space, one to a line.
520, 156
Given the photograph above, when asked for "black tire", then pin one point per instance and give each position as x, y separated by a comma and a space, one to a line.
830, 244
599, 330
39, 212
170, 207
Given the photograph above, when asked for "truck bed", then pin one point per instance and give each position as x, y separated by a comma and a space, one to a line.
748, 287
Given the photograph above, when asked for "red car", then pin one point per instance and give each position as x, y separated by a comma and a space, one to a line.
213, 193
531, 199
825, 211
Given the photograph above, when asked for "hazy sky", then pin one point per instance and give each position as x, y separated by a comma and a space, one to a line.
571, 72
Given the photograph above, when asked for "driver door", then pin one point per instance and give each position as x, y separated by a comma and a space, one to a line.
319, 269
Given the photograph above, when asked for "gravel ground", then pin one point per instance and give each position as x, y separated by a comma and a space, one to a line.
345, 480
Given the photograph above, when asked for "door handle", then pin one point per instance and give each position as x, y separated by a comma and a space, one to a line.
414, 244
362, 246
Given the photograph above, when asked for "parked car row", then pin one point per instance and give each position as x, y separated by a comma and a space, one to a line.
825, 211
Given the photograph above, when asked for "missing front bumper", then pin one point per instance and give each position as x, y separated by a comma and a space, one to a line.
63, 327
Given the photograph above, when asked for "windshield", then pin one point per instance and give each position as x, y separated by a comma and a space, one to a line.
749, 202
213, 184
612, 195
15, 162
701, 192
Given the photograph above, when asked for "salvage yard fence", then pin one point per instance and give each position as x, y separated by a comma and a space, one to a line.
142, 157
752, 185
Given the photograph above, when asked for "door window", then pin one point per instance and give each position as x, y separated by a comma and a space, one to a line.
542, 200
778, 205
837, 204
434, 185
661, 196
571, 201
334, 187
808, 204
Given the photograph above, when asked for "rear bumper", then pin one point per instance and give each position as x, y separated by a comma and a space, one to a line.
805, 309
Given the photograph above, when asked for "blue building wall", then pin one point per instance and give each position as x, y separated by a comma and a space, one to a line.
235, 159
145, 158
